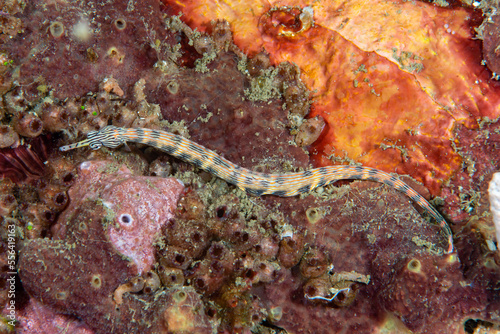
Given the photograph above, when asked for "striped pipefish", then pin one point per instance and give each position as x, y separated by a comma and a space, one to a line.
255, 183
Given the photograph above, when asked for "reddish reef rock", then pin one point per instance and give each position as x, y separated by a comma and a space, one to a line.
421, 286
65, 48
354, 235
137, 208
104, 238
407, 62
112, 249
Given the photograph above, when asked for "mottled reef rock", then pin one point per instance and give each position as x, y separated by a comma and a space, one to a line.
104, 238
242, 266
110, 242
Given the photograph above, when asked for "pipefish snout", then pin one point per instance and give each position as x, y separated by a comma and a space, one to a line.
255, 183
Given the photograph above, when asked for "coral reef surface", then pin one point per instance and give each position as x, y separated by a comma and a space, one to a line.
103, 239
131, 240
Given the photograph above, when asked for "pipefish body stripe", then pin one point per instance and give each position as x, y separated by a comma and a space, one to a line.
255, 183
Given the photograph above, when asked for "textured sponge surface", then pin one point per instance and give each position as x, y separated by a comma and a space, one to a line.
494, 192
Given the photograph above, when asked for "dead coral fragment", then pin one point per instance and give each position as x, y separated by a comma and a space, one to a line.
340, 289
148, 284
222, 35
7, 204
171, 276
344, 293
264, 87
297, 100
314, 263
349, 276
204, 44
56, 118
258, 64
54, 197
10, 25
110, 85
134, 285
309, 131
291, 248
185, 312
318, 289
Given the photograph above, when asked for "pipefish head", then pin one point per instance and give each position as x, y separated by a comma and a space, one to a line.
109, 136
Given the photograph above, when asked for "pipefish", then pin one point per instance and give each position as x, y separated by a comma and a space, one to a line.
255, 183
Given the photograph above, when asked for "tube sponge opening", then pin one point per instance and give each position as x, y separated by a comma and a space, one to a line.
494, 193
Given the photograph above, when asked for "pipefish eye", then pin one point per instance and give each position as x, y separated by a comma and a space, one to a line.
95, 145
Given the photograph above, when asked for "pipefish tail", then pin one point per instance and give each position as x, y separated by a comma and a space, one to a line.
255, 183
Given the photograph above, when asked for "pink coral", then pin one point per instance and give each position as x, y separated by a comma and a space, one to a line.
139, 207
111, 213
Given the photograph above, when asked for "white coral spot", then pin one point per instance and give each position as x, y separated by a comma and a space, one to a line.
82, 30
494, 192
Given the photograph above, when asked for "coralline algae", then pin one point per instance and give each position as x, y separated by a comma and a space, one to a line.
136, 207
103, 239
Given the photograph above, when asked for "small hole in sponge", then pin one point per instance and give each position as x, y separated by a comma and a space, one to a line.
126, 219
414, 265
56, 29
173, 87
179, 259
68, 178
221, 212
96, 281
49, 216
211, 312
60, 199
120, 24
200, 283
61, 295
